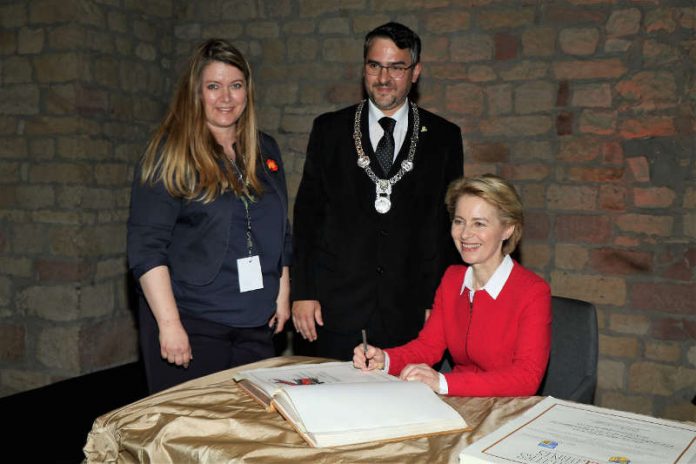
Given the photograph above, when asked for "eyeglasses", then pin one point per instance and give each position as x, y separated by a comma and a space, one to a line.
396, 71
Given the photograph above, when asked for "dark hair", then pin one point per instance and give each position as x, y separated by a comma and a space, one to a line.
401, 35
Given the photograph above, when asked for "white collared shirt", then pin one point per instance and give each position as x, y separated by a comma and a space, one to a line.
400, 129
494, 285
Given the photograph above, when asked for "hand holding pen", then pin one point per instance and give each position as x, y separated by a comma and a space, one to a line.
367, 357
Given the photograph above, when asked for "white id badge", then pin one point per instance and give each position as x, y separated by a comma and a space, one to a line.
249, 272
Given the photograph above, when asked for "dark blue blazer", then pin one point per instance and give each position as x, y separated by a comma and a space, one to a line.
191, 237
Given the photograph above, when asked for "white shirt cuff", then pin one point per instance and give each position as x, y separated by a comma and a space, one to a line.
386, 362
442, 389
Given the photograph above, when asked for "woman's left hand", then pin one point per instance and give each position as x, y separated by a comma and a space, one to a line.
422, 373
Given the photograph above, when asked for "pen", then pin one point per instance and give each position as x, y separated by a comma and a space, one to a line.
364, 336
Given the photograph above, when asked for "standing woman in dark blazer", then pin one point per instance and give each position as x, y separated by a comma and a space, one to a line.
208, 236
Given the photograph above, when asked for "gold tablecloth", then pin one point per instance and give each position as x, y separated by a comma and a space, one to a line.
212, 420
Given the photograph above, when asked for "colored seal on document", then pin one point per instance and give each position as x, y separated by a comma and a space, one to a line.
620, 459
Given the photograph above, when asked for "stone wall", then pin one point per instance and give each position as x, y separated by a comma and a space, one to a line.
587, 105
81, 85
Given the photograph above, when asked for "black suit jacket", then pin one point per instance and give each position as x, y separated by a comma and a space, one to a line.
355, 260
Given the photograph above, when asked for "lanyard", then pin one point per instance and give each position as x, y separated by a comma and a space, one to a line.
246, 198
249, 242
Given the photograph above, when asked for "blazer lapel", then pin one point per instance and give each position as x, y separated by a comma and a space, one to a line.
366, 187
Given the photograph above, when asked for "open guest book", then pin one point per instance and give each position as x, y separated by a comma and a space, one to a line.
334, 404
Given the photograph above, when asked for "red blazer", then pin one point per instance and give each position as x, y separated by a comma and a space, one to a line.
499, 347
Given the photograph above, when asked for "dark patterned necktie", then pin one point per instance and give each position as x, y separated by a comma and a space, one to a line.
385, 147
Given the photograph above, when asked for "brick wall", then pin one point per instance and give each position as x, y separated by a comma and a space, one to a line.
587, 105
81, 85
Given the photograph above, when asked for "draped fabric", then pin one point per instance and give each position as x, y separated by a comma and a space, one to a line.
211, 419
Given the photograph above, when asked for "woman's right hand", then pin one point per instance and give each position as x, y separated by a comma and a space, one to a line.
174, 343
173, 339
368, 360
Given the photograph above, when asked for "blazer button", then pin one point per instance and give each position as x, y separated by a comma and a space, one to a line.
380, 270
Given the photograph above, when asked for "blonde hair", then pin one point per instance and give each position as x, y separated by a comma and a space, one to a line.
183, 153
497, 192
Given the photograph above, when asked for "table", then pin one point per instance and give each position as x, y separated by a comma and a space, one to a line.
211, 419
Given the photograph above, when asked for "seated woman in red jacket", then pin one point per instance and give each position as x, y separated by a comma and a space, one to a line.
494, 316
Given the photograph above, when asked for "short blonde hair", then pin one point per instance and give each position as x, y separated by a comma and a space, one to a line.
497, 192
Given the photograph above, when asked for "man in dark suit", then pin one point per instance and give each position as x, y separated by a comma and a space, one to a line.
371, 231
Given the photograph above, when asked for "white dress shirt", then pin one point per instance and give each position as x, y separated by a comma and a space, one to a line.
400, 129
494, 285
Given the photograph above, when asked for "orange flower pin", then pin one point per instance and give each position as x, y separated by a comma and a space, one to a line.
272, 165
